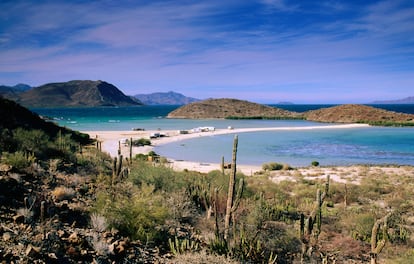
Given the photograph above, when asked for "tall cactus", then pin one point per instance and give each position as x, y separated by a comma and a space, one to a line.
130, 150
308, 234
318, 214
222, 165
232, 203
116, 169
377, 242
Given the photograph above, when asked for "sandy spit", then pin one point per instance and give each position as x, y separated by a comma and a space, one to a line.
111, 140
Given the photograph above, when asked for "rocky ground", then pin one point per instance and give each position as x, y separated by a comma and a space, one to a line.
44, 218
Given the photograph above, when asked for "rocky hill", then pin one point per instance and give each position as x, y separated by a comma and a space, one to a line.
76, 94
231, 108
169, 98
15, 116
351, 113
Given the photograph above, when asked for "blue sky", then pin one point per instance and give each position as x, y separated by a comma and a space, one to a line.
264, 51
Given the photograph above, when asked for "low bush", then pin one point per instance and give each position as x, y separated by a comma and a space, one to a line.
315, 163
272, 166
141, 142
137, 212
63, 193
19, 159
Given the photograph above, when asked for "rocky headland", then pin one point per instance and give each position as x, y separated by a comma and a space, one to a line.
231, 108
352, 113
238, 109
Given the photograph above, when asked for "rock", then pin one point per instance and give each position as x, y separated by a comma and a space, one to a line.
32, 251
61, 233
74, 238
18, 219
72, 252
121, 247
5, 168
52, 256
7, 236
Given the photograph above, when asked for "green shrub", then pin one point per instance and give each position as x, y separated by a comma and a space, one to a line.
19, 159
161, 177
33, 141
361, 225
271, 166
138, 213
141, 142
315, 163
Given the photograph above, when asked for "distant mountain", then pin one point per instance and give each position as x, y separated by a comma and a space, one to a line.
231, 108
408, 100
169, 98
75, 94
12, 92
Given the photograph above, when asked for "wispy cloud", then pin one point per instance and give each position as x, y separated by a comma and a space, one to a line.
255, 50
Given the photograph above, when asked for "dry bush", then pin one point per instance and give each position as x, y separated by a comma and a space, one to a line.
344, 248
98, 222
100, 245
201, 257
63, 193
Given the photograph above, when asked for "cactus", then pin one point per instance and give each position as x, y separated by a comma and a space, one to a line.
377, 242
216, 222
318, 215
116, 169
42, 211
180, 246
309, 235
232, 203
130, 150
346, 196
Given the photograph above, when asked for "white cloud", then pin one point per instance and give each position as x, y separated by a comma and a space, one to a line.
200, 49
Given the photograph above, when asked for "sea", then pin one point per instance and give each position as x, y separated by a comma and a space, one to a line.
299, 147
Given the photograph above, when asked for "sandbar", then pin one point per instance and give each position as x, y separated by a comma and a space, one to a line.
111, 140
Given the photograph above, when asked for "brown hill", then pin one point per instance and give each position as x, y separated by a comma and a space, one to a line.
76, 94
231, 108
351, 113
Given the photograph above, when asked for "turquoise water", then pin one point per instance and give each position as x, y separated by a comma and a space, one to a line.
368, 145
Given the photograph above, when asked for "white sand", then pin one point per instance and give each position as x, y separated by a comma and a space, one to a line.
111, 141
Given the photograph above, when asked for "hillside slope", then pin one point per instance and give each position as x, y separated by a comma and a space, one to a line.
76, 94
230, 108
15, 116
351, 113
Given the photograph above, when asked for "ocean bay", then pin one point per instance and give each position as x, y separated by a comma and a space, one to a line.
370, 145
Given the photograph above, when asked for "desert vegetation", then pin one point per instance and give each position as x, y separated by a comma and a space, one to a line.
63, 201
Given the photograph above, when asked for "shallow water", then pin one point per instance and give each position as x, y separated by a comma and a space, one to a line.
369, 145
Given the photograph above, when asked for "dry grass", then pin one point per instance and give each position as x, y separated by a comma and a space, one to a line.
201, 258
98, 222
63, 193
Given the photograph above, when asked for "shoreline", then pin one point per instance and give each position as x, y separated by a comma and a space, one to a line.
111, 141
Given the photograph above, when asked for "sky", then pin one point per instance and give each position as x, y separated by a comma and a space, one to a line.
265, 51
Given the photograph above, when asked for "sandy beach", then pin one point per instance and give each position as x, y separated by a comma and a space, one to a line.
112, 139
